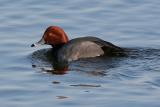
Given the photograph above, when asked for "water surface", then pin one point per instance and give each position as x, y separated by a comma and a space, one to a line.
25, 77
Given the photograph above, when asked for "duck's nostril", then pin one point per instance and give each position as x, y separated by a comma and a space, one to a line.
33, 45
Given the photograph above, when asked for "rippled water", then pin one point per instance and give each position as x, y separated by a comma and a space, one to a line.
25, 77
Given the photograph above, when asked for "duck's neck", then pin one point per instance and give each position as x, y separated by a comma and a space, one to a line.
58, 46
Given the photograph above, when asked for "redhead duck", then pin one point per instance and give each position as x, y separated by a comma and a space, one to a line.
67, 50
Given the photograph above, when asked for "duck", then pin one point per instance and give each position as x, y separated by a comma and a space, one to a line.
66, 50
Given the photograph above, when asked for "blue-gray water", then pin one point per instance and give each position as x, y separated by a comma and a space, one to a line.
132, 81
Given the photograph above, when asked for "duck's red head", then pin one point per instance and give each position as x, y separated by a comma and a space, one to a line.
53, 35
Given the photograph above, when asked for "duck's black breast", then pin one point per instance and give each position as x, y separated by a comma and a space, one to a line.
86, 47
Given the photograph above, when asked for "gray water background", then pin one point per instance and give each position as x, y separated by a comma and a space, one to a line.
125, 82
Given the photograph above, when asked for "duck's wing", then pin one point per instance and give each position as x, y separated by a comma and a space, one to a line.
108, 48
85, 47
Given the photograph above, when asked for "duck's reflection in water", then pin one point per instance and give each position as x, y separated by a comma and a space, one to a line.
45, 61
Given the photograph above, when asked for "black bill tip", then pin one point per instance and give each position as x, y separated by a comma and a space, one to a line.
33, 45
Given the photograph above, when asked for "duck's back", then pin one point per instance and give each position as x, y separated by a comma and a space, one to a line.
86, 47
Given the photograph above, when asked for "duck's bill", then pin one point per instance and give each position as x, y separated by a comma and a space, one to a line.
41, 42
